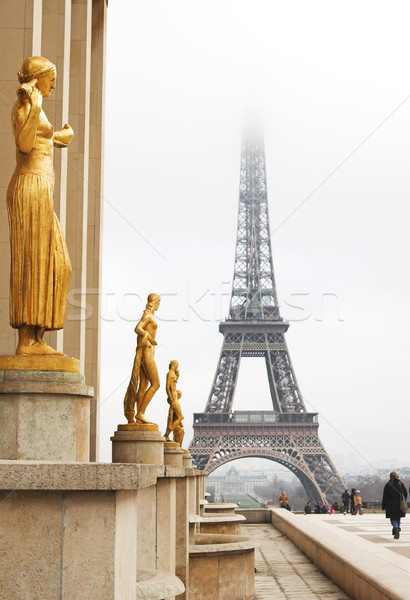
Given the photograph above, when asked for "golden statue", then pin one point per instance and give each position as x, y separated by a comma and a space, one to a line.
178, 431
175, 416
144, 371
40, 265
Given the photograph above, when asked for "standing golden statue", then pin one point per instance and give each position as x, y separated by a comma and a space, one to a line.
178, 431
175, 416
40, 265
145, 370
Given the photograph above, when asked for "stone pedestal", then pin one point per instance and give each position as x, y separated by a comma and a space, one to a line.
135, 443
187, 459
44, 414
173, 454
21, 362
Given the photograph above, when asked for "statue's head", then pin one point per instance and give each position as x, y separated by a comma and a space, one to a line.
153, 301
173, 365
41, 69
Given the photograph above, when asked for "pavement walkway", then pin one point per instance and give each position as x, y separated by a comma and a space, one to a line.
283, 571
375, 528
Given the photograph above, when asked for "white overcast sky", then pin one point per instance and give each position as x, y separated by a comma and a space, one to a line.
330, 82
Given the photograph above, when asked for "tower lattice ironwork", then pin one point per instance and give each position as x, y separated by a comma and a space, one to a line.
288, 434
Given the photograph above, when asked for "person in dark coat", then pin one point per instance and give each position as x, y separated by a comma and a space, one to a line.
352, 505
393, 490
346, 498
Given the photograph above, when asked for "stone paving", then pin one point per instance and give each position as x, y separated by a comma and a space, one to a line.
284, 572
373, 527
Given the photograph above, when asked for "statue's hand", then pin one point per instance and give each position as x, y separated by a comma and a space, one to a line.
63, 136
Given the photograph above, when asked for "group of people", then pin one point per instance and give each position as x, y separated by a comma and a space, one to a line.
356, 503
394, 502
320, 509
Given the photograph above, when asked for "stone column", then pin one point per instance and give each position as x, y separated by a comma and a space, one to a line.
147, 527
126, 545
192, 496
182, 534
166, 511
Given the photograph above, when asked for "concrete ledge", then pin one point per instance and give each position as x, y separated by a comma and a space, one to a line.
357, 566
222, 518
220, 523
221, 543
194, 518
255, 515
191, 471
156, 585
174, 471
34, 475
223, 507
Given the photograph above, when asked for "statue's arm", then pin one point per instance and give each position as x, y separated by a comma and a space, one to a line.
169, 388
140, 330
24, 121
63, 137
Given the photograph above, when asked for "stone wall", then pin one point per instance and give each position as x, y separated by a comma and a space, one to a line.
94, 530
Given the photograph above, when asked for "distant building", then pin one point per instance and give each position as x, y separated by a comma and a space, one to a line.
235, 482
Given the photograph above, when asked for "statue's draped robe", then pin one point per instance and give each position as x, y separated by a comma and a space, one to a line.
40, 265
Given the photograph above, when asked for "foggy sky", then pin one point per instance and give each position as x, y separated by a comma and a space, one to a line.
330, 83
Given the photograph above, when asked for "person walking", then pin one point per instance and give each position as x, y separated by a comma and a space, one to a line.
346, 498
358, 503
394, 502
352, 506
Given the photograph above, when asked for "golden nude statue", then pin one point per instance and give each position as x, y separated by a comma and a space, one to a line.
144, 371
178, 431
175, 416
40, 265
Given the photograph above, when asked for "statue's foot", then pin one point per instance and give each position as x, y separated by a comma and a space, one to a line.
37, 349
141, 418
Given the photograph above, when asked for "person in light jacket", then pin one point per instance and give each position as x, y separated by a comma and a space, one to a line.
393, 490
358, 503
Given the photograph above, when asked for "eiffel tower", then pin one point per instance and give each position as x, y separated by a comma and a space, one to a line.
288, 434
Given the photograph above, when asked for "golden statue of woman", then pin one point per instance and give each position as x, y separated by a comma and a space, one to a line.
40, 265
144, 371
175, 415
